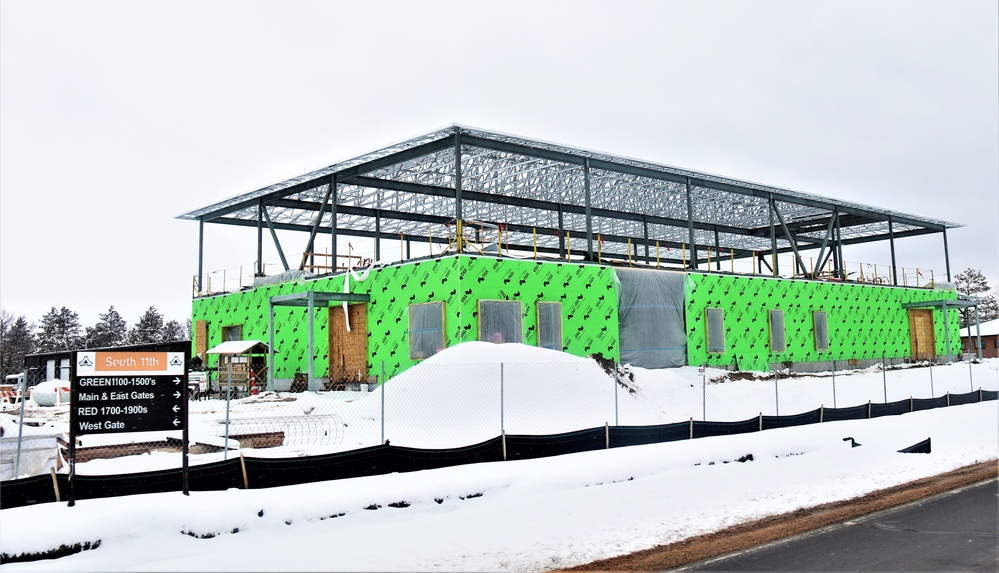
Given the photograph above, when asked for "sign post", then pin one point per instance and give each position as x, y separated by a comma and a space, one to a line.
117, 392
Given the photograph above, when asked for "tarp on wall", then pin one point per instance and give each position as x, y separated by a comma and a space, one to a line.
650, 318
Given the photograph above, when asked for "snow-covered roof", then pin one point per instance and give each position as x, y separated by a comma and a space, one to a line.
240, 347
989, 328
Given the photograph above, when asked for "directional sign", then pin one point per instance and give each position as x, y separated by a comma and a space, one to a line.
128, 392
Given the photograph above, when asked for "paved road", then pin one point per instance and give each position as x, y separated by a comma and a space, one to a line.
958, 531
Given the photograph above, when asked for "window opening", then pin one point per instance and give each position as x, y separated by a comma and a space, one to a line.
550, 325
426, 329
500, 321
777, 341
821, 322
715, 323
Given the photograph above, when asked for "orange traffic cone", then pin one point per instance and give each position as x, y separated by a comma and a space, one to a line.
253, 384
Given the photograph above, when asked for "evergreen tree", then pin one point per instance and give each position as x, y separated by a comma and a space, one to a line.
173, 331
16, 341
972, 282
59, 330
149, 329
110, 330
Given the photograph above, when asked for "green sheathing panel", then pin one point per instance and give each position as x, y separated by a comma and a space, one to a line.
291, 339
587, 294
864, 321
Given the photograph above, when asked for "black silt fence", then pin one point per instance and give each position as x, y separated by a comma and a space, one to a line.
989, 395
382, 459
928, 403
890, 409
530, 447
813, 417
708, 429
968, 398
839, 414
622, 436
30, 490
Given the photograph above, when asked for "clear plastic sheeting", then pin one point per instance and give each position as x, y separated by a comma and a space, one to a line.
650, 318
426, 329
550, 325
500, 321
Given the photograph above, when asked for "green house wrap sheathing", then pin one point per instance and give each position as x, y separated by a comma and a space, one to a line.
586, 293
863, 321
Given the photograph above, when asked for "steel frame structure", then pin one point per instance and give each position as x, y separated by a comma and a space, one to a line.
542, 193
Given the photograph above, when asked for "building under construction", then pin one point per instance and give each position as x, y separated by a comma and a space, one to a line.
506, 239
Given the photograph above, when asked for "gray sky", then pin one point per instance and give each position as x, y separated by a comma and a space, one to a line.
117, 116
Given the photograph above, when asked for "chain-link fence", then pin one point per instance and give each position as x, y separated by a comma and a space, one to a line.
444, 405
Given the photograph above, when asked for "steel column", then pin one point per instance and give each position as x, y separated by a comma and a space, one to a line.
589, 209
378, 234
645, 232
773, 235
270, 343
946, 254
561, 233
891, 243
717, 251
457, 187
690, 226
332, 199
201, 254
260, 238
312, 341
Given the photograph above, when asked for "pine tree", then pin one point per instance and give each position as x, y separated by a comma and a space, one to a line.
972, 282
110, 330
149, 329
16, 341
173, 331
59, 330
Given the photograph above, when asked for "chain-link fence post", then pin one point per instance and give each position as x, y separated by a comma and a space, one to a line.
502, 404
704, 393
382, 385
884, 375
20, 425
834, 382
776, 394
228, 395
614, 381
933, 394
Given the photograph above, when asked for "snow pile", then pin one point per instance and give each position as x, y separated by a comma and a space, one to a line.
527, 515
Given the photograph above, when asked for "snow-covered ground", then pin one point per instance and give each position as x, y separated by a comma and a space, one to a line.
535, 514
474, 391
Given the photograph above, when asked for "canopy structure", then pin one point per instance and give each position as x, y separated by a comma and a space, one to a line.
541, 194
241, 347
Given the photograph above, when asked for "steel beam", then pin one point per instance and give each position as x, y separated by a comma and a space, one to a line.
277, 243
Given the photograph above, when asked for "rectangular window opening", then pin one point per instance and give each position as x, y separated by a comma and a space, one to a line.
777, 340
426, 329
232, 332
500, 321
821, 321
714, 321
550, 325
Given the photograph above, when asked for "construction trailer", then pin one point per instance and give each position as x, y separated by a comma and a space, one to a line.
542, 244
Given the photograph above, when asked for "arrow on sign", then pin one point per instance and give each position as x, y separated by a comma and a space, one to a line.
176, 381
176, 422
176, 394
175, 408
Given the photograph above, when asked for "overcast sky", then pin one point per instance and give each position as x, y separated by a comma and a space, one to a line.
117, 116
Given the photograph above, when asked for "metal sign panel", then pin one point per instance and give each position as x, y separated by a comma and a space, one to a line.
116, 392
